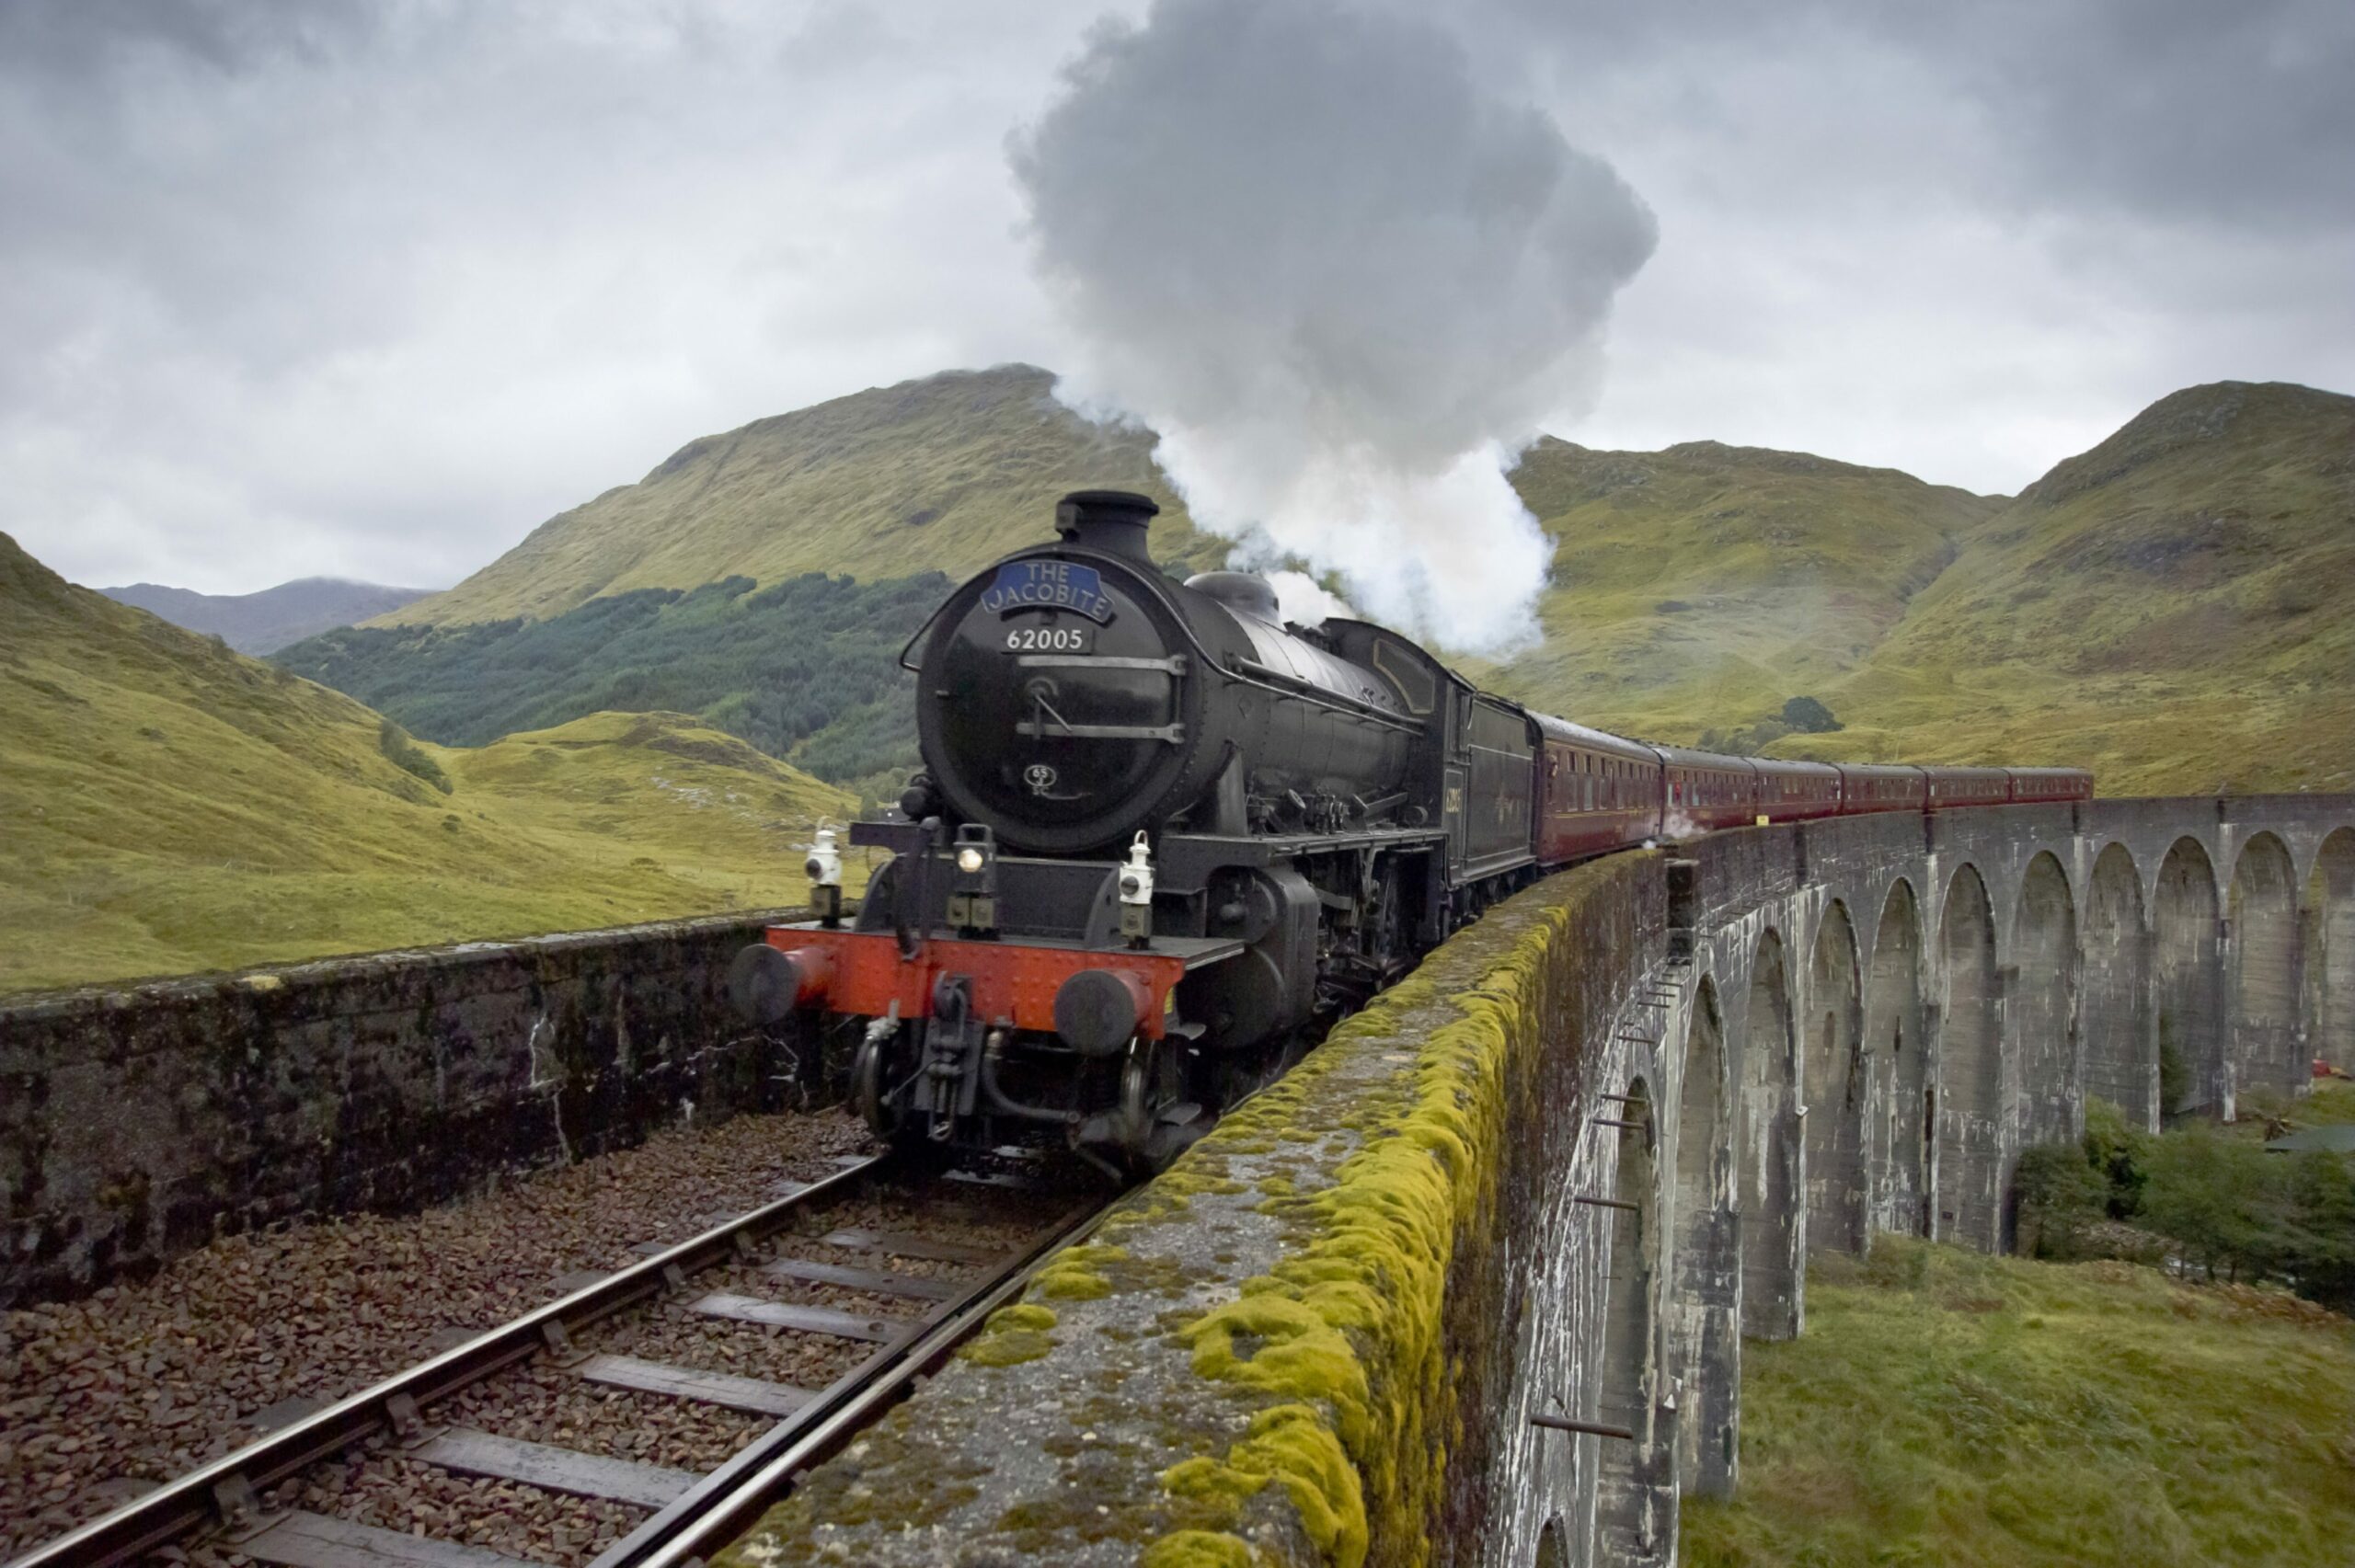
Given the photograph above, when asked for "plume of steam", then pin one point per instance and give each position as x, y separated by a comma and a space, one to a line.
1301, 597
1343, 278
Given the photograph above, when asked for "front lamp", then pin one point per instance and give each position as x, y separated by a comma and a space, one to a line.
972, 897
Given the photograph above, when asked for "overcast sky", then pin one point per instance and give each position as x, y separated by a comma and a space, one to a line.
372, 290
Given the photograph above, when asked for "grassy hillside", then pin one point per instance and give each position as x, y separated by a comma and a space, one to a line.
2171, 603
945, 474
807, 669
1693, 586
2164, 608
171, 805
1946, 1408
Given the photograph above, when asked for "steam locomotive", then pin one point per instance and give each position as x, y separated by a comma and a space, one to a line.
1163, 839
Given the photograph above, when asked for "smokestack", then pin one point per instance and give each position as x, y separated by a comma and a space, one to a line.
1111, 521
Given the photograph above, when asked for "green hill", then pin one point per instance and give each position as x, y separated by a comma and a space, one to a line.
2162, 608
2171, 605
939, 474
171, 805
1693, 585
806, 669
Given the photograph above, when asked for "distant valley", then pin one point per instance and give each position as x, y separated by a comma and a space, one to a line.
265, 621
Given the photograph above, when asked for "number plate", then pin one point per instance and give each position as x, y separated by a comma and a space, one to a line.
1066, 636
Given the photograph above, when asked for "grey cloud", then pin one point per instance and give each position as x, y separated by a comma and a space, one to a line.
56, 39
2240, 113
375, 299
372, 288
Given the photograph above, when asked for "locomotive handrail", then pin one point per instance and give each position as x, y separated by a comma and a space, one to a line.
1175, 734
1253, 673
1174, 665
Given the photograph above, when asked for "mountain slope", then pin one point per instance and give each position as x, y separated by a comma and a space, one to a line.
170, 806
2171, 603
936, 474
2162, 608
268, 621
1692, 583
806, 669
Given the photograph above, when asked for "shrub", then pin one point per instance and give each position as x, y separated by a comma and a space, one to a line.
2201, 1194
2115, 1149
408, 757
2060, 1197
2175, 1073
2319, 1258
1810, 716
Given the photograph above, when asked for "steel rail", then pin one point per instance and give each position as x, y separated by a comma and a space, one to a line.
726, 1502
229, 1486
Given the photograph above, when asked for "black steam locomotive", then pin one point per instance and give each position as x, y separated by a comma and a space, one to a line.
1163, 841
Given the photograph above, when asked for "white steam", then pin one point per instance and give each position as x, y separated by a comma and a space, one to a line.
1302, 600
1343, 279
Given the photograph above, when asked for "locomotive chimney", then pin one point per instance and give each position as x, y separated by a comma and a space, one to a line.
1111, 521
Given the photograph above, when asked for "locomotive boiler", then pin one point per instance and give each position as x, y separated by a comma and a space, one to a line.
1073, 696
1162, 839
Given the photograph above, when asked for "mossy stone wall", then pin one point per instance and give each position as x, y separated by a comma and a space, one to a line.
1299, 1344
137, 1123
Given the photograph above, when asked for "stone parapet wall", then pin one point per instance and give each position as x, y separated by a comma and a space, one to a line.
137, 1123
1311, 1339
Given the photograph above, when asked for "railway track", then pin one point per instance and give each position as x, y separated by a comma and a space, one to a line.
895, 1303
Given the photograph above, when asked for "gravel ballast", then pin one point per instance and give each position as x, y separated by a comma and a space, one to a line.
139, 1383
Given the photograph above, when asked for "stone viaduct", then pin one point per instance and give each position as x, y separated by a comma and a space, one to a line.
1474, 1288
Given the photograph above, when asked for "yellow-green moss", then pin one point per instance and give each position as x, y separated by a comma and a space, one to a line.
1289, 1348
1301, 1453
1346, 1334
1210, 1481
1073, 1276
1289, 1445
1199, 1549
1013, 1335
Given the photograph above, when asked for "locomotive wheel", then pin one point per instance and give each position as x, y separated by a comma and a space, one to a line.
866, 1087
1136, 1099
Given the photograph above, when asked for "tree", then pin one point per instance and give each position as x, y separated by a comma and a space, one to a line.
1810, 716
2115, 1147
2208, 1193
2059, 1197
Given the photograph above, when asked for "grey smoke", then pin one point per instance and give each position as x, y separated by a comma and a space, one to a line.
1345, 279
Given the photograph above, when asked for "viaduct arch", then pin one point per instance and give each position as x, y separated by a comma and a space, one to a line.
1921, 1001
1706, 1066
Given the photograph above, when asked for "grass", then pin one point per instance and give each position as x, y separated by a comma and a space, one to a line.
1948, 1408
170, 806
